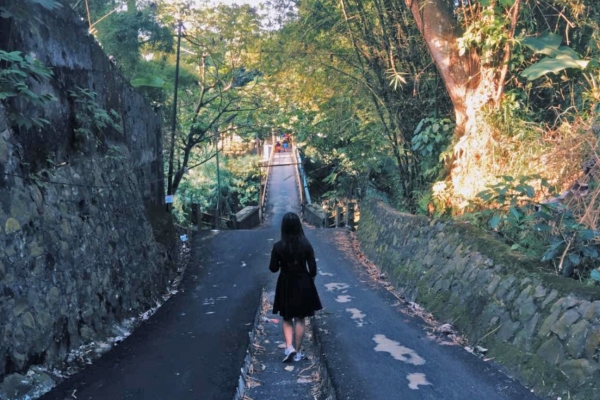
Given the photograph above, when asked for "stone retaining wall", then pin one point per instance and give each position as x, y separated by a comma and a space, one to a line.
544, 329
78, 253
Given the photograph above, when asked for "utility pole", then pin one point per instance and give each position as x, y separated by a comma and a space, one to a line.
174, 118
218, 211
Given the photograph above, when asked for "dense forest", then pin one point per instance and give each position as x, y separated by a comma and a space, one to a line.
480, 110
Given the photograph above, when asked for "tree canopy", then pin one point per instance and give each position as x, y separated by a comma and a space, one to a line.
443, 107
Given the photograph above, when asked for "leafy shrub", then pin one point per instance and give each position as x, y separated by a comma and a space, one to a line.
14, 76
546, 229
239, 187
430, 139
92, 120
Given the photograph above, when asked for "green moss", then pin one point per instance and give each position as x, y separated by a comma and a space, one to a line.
471, 308
518, 264
12, 226
534, 372
3, 151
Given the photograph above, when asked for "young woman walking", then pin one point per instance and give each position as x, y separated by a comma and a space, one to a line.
296, 296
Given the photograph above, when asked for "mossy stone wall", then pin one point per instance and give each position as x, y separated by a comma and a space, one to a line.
78, 252
545, 330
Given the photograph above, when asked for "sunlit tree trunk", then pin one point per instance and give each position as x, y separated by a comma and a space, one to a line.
470, 85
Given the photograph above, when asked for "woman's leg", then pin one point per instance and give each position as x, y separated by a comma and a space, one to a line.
299, 333
288, 332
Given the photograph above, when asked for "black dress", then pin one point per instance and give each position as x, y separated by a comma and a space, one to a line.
295, 295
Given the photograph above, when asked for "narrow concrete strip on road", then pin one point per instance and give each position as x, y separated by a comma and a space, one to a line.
267, 377
374, 351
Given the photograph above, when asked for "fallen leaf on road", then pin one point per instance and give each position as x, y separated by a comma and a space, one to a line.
281, 346
289, 368
446, 328
258, 346
447, 343
250, 383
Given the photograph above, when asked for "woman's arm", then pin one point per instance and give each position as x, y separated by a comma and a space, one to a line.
310, 260
275, 261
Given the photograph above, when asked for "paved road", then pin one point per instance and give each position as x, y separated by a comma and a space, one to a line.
373, 351
194, 346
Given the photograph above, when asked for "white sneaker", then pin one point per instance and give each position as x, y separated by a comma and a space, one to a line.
290, 352
298, 357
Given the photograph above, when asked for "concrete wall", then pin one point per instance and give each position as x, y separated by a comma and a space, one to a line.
314, 215
543, 328
78, 252
248, 218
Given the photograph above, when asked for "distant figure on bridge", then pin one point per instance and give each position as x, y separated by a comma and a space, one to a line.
296, 295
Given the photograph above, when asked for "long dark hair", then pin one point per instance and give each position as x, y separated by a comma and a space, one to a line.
291, 229
292, 234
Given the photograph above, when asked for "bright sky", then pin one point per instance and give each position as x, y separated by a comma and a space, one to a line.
231, 2
239, 2
253, 3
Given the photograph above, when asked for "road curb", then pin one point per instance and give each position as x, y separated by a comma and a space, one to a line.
241, 387
327, 390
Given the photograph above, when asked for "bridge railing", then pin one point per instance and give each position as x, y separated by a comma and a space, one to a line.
264, 187
301, 181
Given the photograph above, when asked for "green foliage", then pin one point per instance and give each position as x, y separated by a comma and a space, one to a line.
559, 57
150, 81
15, 80
508, 207
430, 142
431, 135
510, 200
240, 187
487, 33
571, 244
21, 10
92, 120
126, 32
547, 230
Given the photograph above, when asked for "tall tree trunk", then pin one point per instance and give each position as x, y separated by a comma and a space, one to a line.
470, 85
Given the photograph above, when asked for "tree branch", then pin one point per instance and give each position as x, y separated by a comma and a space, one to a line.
514, 11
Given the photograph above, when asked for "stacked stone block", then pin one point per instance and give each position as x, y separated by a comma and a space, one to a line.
540, 327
